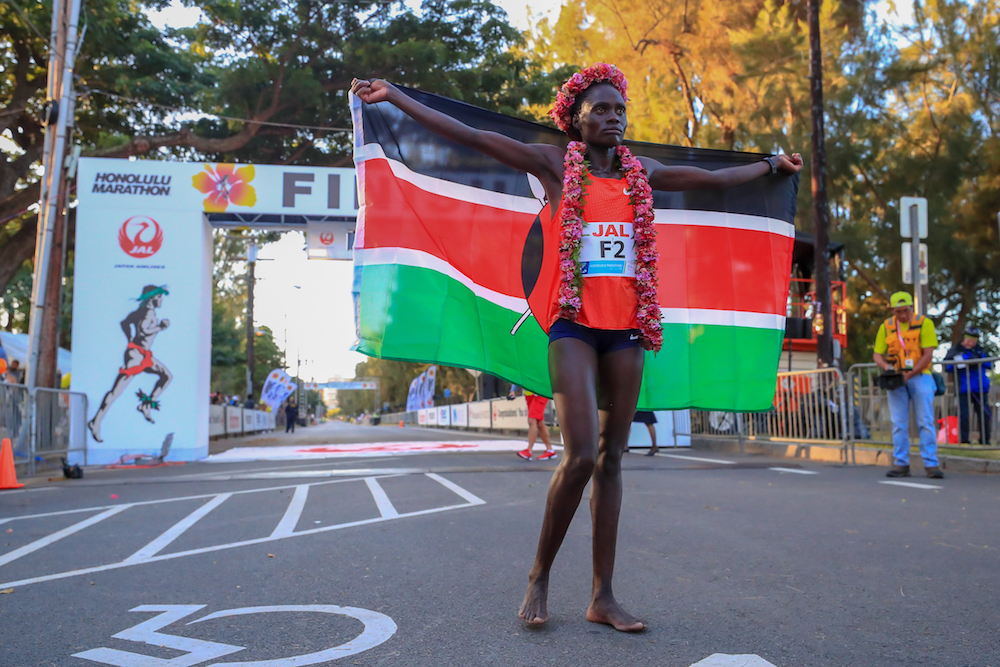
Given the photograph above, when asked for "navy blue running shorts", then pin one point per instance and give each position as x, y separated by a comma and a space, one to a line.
602, 340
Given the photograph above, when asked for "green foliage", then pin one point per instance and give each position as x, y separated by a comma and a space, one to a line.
915, 113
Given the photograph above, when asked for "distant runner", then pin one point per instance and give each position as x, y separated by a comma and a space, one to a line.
140, 328
536, 424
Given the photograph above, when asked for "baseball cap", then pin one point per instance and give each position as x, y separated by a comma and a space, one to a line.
901, 299
972, 332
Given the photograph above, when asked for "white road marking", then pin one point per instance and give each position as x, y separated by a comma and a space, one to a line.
723, 660
912, 485
222, 547
378, 628
366, 449
196, 650
386, 514
471, 498
303, 474
794, 470
175, 531
385, 507
288, 522
60, 534
140, 503
698, 458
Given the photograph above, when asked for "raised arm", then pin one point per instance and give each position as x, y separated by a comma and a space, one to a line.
542, 160
662, 177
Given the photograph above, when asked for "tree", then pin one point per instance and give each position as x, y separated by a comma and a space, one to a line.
276, 71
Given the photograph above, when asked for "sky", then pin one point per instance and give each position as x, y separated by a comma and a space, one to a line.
307, 303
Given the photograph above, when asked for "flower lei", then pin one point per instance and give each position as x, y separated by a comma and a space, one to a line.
576, 178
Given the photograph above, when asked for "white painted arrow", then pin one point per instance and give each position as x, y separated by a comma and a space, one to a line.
723, 660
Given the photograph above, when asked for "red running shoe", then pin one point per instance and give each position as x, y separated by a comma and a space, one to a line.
525, 454
547, 454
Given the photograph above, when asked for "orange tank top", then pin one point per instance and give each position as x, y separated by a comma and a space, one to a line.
607, 259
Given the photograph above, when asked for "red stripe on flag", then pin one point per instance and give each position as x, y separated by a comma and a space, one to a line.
723, 269
700, 266
482, 242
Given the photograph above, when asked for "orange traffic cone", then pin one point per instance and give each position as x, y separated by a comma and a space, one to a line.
8, 477
400, 423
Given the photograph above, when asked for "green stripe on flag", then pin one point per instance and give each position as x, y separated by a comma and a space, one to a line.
417, 314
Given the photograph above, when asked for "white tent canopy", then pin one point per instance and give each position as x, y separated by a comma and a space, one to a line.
16, 347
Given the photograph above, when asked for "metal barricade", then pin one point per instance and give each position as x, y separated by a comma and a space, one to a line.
808, 408
15, 420
60, 422
972, 400
967, 411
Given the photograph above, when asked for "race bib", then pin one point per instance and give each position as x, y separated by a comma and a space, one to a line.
607, 249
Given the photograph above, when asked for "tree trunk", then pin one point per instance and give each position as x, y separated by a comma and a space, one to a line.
821, 213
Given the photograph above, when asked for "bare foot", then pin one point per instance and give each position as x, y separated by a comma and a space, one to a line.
609, 612
145, 410
95, 430
533, 610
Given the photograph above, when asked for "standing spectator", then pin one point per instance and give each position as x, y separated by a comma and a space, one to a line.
649, 419
13, 374
249, 404
291, 414
536, 424
973, 385
904, 343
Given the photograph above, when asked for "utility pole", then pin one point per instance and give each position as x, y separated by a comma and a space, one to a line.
251, 265
821, 212
58, 112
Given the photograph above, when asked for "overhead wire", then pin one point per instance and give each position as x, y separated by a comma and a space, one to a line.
268, 123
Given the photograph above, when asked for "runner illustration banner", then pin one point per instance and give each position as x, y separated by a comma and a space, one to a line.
448, 260
140, 327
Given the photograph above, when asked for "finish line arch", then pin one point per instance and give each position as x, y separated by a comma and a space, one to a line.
142, 293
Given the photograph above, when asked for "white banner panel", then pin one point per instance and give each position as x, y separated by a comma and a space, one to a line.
422, 417
459, 414
432, 416
142, 302
249, 423
216, 420
480, 414
444, 415
234, 419
510, 414
330, 240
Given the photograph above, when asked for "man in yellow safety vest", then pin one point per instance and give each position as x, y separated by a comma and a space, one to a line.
904, 343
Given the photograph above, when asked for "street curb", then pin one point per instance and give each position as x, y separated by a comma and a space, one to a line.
816, 452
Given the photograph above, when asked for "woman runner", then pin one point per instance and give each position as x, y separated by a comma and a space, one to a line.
602, 313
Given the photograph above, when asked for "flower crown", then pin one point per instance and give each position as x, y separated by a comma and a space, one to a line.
562, 110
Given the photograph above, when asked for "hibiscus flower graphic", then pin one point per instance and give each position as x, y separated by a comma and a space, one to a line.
225, 184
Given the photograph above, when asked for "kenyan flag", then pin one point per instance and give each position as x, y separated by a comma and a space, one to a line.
448, 255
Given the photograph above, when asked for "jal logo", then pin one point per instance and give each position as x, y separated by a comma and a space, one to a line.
140, 236
326, 238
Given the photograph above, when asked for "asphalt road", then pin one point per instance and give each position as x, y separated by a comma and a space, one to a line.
422, 560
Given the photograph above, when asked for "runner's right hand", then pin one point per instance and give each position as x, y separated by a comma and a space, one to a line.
164, 324
371, 91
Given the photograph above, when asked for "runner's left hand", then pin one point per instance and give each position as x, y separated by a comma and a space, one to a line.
164, 324
789, 164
